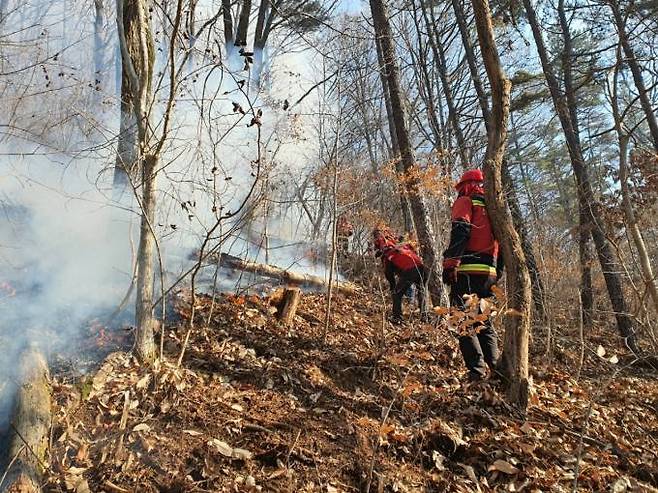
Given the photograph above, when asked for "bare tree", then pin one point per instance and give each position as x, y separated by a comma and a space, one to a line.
517, 328
584, 229
609, 265
631, 60
419, 208
137, 52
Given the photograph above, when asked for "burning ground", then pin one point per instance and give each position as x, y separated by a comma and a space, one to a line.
257, 406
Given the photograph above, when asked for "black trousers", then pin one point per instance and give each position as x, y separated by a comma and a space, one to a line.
480, 346
406, 279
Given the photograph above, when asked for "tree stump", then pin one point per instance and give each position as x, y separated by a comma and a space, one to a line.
288, 305
30, 425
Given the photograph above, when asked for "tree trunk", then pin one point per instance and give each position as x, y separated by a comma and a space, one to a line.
645, 102
627, 205
3, 12
584, 229
471, 60
145, 343
517, 328
538, 292
243, 24
127, 158
416, 198
191, 30
138, 54
259, 42
227, 15
289, 277
405, 206
288, 306
609, 266
631, 223
99, 46
586, 259
440, 63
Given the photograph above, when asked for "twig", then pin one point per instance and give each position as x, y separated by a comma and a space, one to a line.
292, 447
580, 447
11, 463
375, 452
581, 334
29, 448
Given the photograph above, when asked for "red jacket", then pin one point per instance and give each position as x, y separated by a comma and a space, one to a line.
473, 248
401, 255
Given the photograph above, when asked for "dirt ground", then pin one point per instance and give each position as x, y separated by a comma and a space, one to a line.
257, 406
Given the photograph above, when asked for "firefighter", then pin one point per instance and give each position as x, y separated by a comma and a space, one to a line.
403, 268
344, 230
472, 264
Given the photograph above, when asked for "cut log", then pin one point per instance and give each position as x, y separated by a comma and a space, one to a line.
283, 275
288, 305
30, 425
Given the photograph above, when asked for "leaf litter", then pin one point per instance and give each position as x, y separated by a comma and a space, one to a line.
258, 406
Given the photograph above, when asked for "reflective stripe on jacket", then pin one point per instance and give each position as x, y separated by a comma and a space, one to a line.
471, 240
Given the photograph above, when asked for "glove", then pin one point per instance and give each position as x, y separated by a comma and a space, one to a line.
449, 275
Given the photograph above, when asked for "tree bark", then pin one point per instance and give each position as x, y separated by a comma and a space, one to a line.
439, 56
29, 438
138, 71
471, 60
419, 208
609, 266
394, 153
631, 60
538, 292
243, 24
227, 16
584, 229
128, 143
288, 306
627, 205
145, 319
260, 40
517, 328
283, 275
99, 45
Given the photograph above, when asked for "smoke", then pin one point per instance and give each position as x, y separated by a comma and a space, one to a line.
65, 246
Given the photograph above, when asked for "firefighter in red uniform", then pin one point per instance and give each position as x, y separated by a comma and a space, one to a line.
402, 269
472, 265
344, 230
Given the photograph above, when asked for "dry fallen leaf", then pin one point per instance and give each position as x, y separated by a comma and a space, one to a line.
242, 454
600, 351
194, 433
503, 466
222, 447
440, 310
142, 427
526, 427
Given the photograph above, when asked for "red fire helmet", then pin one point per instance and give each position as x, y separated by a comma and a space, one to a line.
470, 175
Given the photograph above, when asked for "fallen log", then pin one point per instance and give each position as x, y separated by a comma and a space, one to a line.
30, 426
286, 276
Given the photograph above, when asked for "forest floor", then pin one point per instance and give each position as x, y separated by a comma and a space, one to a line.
257, 406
